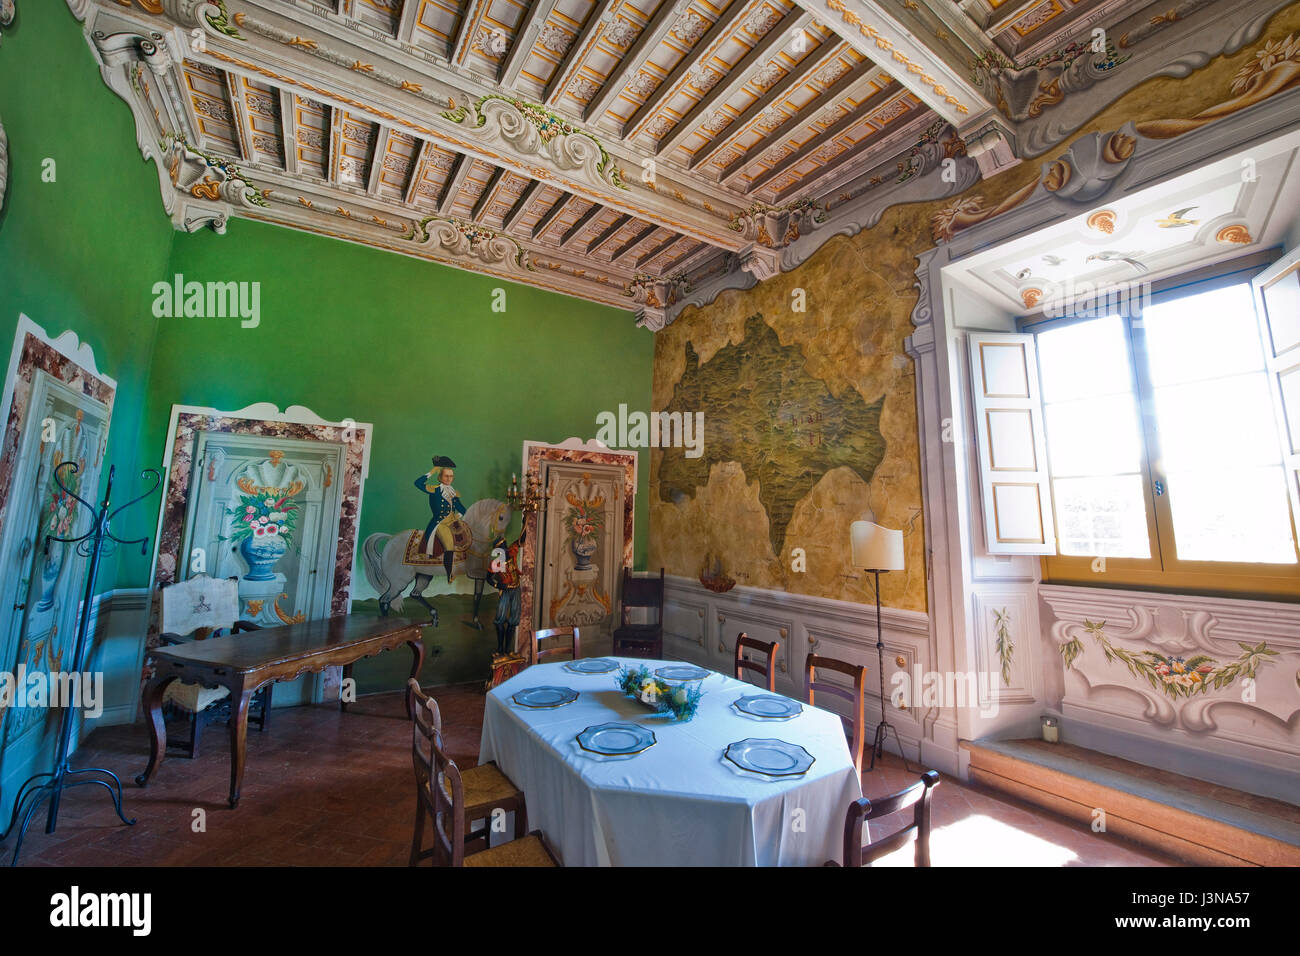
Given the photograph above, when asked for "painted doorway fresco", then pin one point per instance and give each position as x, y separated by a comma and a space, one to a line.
58, 410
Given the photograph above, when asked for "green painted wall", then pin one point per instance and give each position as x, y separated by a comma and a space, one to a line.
82, 251
411, 346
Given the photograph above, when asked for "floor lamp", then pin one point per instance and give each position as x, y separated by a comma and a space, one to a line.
876, 550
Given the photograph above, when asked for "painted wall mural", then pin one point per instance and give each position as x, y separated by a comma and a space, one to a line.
860, 292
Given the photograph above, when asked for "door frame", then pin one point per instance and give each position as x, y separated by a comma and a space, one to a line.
572, 451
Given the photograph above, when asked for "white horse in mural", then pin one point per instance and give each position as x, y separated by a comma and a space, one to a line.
389, 573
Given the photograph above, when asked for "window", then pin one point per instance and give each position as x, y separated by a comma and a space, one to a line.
1161, 428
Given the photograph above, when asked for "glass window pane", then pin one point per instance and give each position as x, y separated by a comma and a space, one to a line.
1203, 336
1084, 360
1224, 421
1099, 517
1094, 436
1237, 514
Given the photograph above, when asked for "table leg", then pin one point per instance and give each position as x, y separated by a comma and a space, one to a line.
239, 701
153, 702
417, 649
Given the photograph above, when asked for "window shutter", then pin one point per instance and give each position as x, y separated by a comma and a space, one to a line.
1277, 302
1014, 481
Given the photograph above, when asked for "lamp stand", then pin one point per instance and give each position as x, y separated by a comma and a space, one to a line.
883, 728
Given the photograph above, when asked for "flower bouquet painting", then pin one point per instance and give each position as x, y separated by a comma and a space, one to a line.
584, 521
263, 529
676, 700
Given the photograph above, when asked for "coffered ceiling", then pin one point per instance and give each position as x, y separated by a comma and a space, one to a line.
624, 151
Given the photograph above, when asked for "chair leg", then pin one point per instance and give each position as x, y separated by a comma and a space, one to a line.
521, 820
417, 842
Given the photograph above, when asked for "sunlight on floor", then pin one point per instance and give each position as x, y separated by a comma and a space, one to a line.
982, 841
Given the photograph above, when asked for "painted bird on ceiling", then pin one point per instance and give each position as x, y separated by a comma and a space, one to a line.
1111, 256
1176, 219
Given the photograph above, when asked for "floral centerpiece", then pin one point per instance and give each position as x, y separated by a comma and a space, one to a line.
679, 700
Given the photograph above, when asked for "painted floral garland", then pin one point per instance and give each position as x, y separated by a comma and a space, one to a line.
1175, 676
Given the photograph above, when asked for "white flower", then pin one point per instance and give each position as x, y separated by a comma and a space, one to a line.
278, 516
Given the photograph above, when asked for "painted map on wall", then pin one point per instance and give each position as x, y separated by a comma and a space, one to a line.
764, 411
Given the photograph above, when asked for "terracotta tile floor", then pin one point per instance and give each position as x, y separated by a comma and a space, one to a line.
330, 789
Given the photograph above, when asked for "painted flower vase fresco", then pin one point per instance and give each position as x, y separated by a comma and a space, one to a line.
56, 522
584, 521
264, 526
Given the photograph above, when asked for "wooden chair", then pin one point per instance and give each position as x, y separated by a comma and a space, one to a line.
194, 610
444, 795
860, 811
647, 639
855, 727
484, 788
565, 647
768, 670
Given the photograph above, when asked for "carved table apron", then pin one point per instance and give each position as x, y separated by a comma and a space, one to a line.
243, 663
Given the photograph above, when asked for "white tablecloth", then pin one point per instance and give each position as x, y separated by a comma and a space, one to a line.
680, 803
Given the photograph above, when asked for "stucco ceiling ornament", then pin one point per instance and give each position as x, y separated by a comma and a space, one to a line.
1085, 170
654, 296
777, 226
534, 130
469, 240
204, 176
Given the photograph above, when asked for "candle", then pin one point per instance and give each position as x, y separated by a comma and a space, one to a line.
1051, 729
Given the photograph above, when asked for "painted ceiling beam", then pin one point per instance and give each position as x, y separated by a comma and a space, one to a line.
421, 163
601, 16
655, 30
529, 27
289, 131
608, 233
551, 214
239, 111
382, 136
688, 64
656, 251
485, 197
874, 30
774, 93
792, 24
582, 221
635, 241
406, 25
447, 198
845, 85
336, 145
521, 205
462, 41
817, 141
884, 144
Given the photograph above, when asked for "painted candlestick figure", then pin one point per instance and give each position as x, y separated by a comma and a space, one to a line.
445, 528
505, 578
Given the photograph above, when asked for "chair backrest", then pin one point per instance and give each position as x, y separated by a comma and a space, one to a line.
439, 780
768, 670
860, 811
643, 592
563, 647
198, 605
856, 697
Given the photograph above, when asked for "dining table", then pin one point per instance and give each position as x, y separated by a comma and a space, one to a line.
735, 785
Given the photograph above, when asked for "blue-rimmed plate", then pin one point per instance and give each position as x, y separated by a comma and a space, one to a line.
682, 672
769, 757
616, 739
592, 665
769, 706
542, 697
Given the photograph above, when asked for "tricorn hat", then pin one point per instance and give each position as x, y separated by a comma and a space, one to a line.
442, 461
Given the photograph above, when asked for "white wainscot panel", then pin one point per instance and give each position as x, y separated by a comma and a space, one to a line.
1212, 676
1004, 651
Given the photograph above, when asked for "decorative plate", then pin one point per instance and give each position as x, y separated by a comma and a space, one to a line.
616, 739
682, 672
769, 706
769, 757
592, 665
541, 697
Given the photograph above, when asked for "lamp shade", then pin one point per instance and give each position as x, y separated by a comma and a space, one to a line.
876, 548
